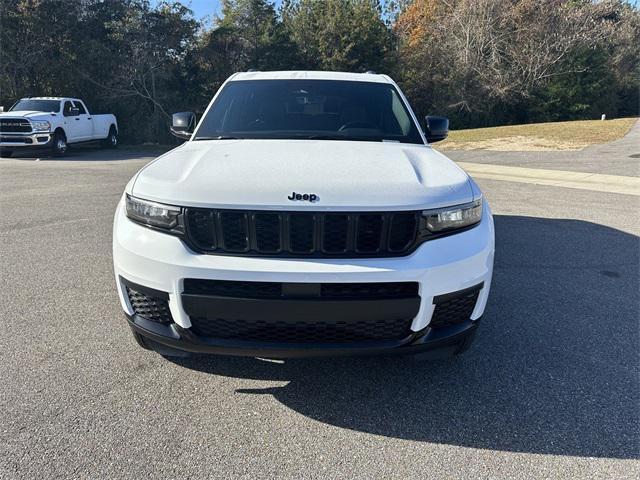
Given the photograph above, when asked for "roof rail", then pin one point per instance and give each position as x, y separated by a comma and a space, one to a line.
253, 70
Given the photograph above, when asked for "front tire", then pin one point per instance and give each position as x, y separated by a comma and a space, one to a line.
6, 153
59, 144
112, 139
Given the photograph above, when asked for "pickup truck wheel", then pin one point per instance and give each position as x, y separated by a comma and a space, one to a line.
112, 140
59, 144
5, 153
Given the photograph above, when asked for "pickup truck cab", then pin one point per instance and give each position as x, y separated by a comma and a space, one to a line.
307, 214
54, 123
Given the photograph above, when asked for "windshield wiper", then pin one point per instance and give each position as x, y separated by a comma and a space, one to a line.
219, 137
343, 137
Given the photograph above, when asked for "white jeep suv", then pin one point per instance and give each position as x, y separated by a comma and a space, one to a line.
306, 215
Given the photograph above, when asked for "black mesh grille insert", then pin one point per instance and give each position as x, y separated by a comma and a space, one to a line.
302, 332
150, 307
302, 234
235, 231
369, 236
301, 228
402, 232
268, 232
335, 233
454, 308
203, 226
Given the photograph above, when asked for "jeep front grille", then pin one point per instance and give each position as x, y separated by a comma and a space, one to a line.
302, 234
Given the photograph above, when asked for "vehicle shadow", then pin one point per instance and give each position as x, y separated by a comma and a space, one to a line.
94, 153
554, 370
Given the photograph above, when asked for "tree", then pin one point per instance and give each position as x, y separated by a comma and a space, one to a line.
346, 35
490, 61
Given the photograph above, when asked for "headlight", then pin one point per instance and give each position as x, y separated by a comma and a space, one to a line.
450, 218
41, 125
153, 214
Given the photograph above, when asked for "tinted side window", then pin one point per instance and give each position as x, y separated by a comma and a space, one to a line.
66, 111
80, 107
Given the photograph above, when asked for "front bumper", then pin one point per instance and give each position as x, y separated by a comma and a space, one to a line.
13, 140
437, 343
162, 262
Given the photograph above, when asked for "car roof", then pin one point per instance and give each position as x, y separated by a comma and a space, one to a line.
52, 98
312, 75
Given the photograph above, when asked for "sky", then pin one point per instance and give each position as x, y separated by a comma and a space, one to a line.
203, 8
210, 8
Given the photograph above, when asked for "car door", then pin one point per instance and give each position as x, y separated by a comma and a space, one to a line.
71, 122
83, 122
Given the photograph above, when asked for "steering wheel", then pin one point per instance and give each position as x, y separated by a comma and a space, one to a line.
357, 124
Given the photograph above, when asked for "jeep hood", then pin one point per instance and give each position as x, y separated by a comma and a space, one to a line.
345, 175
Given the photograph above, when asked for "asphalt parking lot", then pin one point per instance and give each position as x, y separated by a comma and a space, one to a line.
550, 389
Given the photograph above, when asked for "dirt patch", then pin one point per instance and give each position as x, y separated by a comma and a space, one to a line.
515, 144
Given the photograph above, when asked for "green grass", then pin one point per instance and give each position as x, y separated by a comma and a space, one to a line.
539, 136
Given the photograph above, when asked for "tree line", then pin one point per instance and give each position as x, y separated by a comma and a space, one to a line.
480, 62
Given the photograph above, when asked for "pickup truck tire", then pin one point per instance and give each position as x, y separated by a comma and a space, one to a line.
112, 139
59, 144
5, 153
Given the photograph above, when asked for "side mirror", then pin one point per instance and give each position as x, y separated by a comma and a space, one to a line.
183, 125
436, 128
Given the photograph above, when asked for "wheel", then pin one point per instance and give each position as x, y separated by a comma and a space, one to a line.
142, 341
5, 153
112, 140
59, 144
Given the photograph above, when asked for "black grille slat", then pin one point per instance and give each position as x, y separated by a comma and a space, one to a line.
237, 289
302, 234
402, 231
235, 231
246, 289
268, 232
370, 290
335, 233
202, 227
369, 233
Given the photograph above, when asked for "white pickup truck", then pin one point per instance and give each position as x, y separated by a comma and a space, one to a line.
54, 123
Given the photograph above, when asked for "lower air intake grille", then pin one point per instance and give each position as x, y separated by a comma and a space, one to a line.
454, 308
302, 332
152, 307
301, 312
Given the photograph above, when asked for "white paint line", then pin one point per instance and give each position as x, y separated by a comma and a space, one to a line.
596, 182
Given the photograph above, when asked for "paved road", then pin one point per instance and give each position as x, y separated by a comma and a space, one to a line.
550, 389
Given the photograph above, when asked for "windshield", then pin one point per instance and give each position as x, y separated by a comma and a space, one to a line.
36, 105
309, 109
